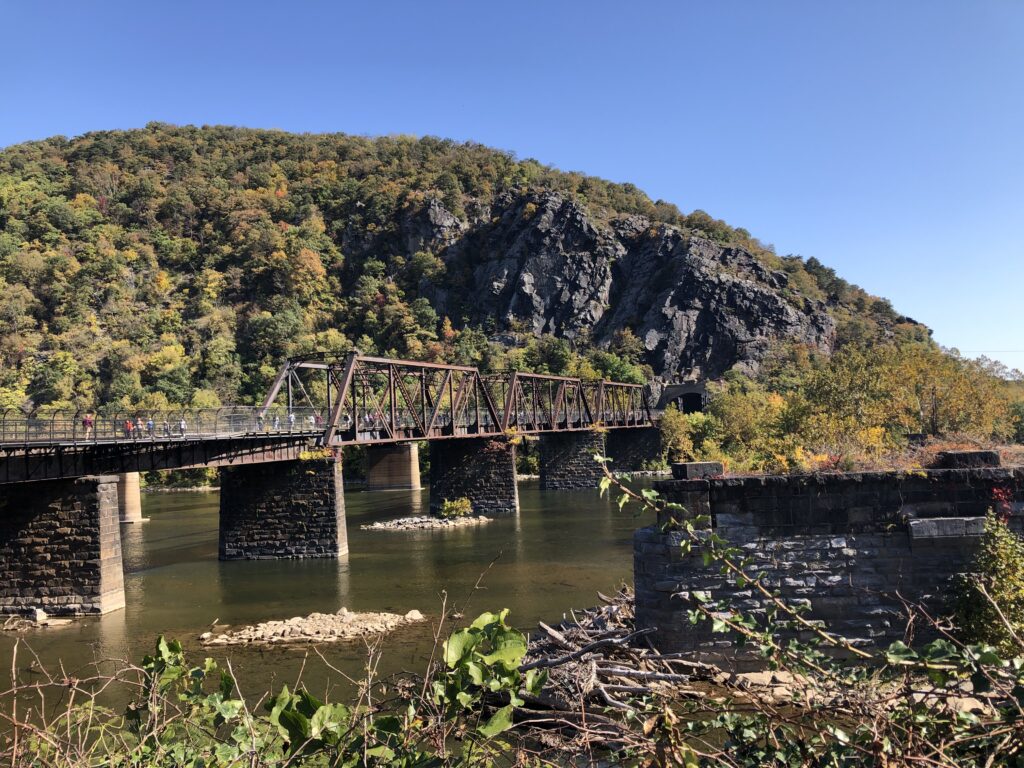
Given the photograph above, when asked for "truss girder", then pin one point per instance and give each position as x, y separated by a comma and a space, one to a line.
367, 399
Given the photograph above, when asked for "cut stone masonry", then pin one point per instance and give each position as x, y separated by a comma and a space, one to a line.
845, 542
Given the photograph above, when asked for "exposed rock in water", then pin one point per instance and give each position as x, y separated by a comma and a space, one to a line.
698, 307
37, 620
424, 522
315, 628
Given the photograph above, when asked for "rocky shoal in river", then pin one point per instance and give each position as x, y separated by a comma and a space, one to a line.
315, 628
423, 523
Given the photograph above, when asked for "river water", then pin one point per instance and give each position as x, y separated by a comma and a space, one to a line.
562, 548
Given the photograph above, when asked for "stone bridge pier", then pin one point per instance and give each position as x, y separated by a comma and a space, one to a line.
567, 460
394, 467
481, 469
631, 449
284, 509
60, 547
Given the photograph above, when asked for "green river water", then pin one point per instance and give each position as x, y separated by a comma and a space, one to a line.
560, 549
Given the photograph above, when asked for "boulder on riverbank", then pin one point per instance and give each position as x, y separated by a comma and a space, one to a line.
424, 523
315, 628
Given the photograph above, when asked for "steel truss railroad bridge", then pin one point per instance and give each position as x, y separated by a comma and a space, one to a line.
317, 401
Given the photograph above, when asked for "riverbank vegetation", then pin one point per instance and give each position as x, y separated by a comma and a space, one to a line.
864, 406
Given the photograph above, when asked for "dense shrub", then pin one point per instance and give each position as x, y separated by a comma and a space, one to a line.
460, 507
989, 603
1018, 421
676, 443
527, 462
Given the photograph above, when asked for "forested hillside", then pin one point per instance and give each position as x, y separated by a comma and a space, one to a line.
178, 265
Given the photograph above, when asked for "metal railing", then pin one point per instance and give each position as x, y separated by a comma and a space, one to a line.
85, 427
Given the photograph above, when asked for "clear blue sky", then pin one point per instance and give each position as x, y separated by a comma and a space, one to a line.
886, 139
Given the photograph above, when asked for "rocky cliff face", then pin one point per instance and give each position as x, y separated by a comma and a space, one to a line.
541, 260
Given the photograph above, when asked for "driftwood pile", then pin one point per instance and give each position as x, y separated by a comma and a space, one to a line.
600, 666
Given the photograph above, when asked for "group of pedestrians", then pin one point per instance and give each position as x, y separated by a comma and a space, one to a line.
138, 428
135, 429
313, 421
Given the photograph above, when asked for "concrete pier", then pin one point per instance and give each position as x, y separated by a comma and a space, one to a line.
482, 470
288, 509
129, 498
393, 467
60, 547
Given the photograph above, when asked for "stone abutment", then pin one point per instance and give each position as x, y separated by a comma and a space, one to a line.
852, 544
393, 467
129, 498
632, 450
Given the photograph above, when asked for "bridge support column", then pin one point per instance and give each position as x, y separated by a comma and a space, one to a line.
480, 469
631, 448
60, 547
567, 460
129, 498
283, 509
393, 467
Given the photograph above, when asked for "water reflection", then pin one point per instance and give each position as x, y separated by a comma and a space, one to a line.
112, 636
556, 553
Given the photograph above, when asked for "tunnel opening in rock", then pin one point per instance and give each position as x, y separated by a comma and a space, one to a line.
691, 402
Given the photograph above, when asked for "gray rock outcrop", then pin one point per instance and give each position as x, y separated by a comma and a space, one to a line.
543, 262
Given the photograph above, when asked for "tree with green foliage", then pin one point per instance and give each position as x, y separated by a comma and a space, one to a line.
1017, 411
